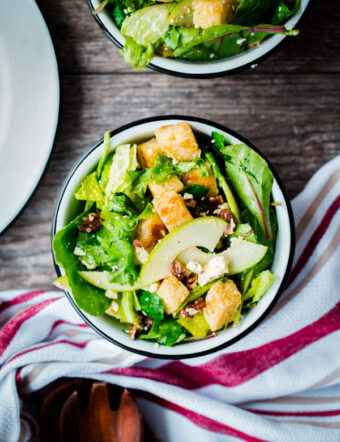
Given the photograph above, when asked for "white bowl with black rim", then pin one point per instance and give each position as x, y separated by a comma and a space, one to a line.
67, 208
193, 69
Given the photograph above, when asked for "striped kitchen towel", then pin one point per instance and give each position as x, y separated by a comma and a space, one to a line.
279, 383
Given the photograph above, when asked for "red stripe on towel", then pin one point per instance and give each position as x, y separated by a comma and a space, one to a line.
296, 413
20, 299
314, 240
198, 419
49, 344
236, 368
9, 331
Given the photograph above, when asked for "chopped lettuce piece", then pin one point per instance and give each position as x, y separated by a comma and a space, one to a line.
124, 159
147, 25
259, 286
106, 147
166, 333
197, 325
136, 55
196, 190
151, 305
89, 189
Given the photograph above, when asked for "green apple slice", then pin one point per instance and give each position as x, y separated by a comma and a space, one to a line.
101, 280
241, 255
182, 15
204, 232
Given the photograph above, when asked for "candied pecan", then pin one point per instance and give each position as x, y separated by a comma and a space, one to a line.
178, 270
137, 243
225, 213
199, 211
192, 282
193, 308
147, 324
216, 200
92, 222
133, 331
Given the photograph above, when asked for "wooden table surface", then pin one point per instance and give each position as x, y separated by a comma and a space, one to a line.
289, 106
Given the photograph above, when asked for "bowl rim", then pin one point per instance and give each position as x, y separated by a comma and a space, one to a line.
253, 63
291, 228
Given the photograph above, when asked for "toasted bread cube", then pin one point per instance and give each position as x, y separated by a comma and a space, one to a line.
222, 302
172, 210
150, 230
148, 152
194, 177
172, 292
172, 183
178, 141
213, 12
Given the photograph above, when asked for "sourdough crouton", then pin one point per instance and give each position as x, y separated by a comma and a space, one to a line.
172, 210
150, 230
172, 183
178, 141
213, 12
172, 292
148, 152
194, 177
222, 302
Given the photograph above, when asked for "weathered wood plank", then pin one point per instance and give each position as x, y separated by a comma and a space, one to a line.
292, 118
82, 46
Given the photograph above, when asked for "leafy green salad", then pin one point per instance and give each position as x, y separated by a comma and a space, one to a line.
196, 30
176, 237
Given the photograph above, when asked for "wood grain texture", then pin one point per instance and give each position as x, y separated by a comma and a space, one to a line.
289, 107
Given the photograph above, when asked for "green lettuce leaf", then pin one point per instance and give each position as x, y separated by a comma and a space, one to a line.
251, 177
259, 286
89, 298
167, 333
106, 148
137, 55
151, 305
251, 11
284, 10
89, 189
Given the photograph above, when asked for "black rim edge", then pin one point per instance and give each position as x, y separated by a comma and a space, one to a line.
56, 134
161, 70
284, 279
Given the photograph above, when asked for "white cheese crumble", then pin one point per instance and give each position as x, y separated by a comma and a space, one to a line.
78, 251
194, 267
188, 196
215, 268
111, 294
153, 287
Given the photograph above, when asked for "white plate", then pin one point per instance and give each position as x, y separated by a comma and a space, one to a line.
29, 103
191, 69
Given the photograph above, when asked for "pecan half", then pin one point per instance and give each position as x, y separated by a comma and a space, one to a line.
215, 200
133, 331
193, 308
192, 282
147, 324
178, 270
92, 222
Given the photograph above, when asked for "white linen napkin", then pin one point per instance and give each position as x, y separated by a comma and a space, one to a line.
279, 383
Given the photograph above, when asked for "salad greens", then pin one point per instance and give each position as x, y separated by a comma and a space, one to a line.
192, 30
132, 213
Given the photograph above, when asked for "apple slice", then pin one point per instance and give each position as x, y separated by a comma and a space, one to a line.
102, 281
182, 15
204, 232
241, 255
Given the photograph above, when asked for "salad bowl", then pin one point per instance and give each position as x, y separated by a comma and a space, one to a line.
68, 208
194, 66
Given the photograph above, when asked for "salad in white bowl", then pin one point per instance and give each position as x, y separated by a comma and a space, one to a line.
176, 237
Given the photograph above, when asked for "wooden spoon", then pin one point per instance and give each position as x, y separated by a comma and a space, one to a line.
97, 422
